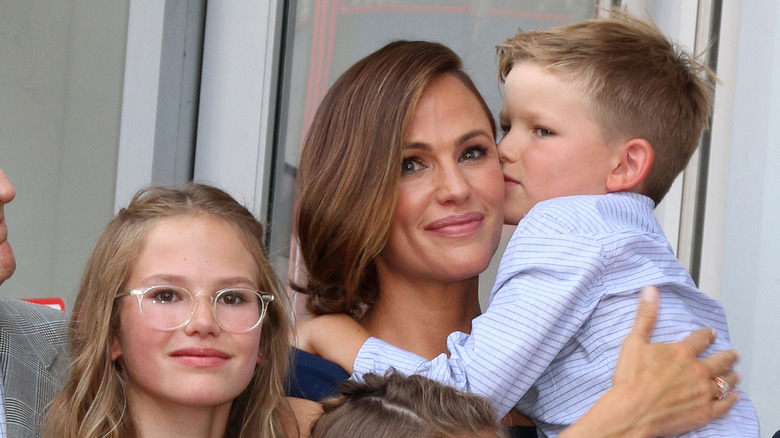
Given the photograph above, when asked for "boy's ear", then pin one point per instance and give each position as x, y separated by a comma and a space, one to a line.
635, 158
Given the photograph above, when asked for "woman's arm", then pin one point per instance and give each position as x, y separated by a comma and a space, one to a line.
336, 337
660, 389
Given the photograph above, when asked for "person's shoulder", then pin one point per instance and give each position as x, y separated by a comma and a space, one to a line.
594, 214
312, 377
30, 311
565, 214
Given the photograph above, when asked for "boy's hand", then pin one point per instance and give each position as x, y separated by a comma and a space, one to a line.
336, 337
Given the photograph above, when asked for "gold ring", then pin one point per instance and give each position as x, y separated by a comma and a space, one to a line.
723, 387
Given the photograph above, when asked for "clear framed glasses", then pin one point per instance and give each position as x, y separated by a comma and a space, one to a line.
167, 308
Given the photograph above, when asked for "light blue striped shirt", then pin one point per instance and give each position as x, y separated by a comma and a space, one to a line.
564, 300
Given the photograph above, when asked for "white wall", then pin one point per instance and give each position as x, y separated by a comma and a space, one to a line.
751, 255
61, 69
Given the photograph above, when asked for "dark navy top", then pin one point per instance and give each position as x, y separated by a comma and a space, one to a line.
315, 378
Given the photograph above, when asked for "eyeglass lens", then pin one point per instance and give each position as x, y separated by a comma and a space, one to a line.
236, 310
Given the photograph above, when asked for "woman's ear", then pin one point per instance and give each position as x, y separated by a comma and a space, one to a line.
635, 158
259, 358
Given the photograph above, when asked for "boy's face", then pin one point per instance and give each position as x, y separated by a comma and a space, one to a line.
551, 146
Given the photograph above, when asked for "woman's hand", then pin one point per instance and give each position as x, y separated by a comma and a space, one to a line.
337, 338
677, 391
660, 389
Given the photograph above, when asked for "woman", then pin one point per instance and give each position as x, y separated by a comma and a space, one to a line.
150, 355
401, 206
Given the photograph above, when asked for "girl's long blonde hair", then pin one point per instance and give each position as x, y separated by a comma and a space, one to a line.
92, 403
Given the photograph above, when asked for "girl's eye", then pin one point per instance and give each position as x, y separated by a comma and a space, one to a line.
164, 296
232, 298
542, 132
410, 165
473, 153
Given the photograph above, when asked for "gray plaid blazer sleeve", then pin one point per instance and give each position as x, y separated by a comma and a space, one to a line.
33, 363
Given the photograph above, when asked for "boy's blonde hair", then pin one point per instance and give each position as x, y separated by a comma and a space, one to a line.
637, 83
93, 402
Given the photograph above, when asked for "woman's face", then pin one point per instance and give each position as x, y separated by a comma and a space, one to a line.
447, 223
199, 364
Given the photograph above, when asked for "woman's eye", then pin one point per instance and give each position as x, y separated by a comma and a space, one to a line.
473, 153
410, 165
542, 132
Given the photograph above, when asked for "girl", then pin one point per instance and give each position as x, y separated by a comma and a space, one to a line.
179, 327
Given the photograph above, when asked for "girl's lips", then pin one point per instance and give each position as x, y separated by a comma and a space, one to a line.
200, 357
457, 225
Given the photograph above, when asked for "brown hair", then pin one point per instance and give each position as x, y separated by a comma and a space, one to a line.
350, 169
398, 406
93, 403
637, 83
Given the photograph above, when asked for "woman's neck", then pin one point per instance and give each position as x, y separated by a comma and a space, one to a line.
418, 317
155, 419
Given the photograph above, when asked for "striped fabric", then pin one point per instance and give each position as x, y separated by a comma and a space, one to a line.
565, 298
2, 414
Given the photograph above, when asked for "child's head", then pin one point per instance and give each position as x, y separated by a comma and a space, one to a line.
398, 406
632, 82
202, 240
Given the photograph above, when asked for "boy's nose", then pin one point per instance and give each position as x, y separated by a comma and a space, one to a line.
507, 150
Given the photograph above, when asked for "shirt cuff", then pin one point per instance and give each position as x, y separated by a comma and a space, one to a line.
377, 356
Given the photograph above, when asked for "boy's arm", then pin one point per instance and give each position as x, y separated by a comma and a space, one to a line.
539, 304
335, 337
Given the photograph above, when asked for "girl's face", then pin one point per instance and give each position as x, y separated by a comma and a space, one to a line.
447, 223
199, 364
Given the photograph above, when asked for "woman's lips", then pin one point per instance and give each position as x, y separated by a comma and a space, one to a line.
200, 357
457, 225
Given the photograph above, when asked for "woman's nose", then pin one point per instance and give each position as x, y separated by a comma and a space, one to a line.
453, 186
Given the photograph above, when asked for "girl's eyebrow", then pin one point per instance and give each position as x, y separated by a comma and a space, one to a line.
156, 279
179, 280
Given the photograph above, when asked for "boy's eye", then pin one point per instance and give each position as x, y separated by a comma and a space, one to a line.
410, 165
542, 132
504, 130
